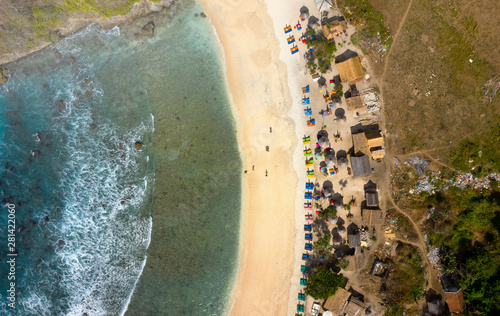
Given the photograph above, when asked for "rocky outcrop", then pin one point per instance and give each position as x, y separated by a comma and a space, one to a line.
148, 29
138, 145
4, 75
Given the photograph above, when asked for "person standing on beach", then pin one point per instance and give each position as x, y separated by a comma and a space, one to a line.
266, 172
270, 129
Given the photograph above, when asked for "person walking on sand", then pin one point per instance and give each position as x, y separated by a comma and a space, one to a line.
266, 172
253, 167
270, 129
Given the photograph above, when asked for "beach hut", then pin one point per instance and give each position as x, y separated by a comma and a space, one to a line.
343, 162
360, 166
351, 71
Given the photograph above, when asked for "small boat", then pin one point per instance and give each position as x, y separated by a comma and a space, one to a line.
310, 173
298, 26
308, 112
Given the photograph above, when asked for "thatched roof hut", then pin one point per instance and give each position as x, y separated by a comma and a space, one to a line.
351, 71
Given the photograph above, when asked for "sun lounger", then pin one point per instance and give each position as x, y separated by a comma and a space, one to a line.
311, 122
309, 237
303, 282
287, 29
309, 163
332, 171
305, 89
304, 269
309, 186
308, 196
307, 228
309, 218
301, 297
305, 101
306, 140
305, 256
294, 50
291, 39
298, 26
307, 153
308, 247
310, 174
308, 112
300, 308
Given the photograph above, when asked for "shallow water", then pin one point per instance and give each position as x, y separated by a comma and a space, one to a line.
88, 202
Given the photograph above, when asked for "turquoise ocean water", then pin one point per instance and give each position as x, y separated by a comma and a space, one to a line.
104, 228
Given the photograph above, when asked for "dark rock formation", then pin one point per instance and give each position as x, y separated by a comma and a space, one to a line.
148, 29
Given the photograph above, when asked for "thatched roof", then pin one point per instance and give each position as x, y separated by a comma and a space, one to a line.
360, 144
354, 240
333, 28
379, 153
337, 302
372, 217
374, 138
356, 104
360, 166
355, 308
351, 70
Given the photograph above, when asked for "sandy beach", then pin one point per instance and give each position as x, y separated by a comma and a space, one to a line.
264, 80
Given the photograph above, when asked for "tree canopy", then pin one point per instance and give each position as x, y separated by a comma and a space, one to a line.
323, 283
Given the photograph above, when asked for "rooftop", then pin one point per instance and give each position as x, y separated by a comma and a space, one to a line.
356, 104
337, 302
355, 308
360, 166
351, 70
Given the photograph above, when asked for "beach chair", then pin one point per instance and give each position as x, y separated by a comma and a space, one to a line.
304, 269
307, 153
332, 171
309, 163
307, 228
308, 196
305, 89
310, 174
305, 257
291, 39
294, 50
308, 247
309, 237
309, 185
305, 101
311, 122
309, 218
308, 112
287, 29
300, 308
306, 140
302, 297
332, 83
303, 282
330, 105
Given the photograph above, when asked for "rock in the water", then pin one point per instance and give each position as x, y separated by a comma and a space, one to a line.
138, 145
93, 127
196, 15
58, 55
72, 59
45, 86
4, 75
203, 15
148, 29
62, 105
89, 93
86, 81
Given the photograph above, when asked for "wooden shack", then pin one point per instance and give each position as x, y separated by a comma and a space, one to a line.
331, 29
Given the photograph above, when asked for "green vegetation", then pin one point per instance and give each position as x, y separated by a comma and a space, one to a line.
339, 90
465, 225
44, 19
371, 23
406, 281
344, 264
394, 311
324, 51
323, 243
323, 283
329, 212
479, 153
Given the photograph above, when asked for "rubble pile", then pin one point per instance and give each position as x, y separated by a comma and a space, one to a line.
371, 100
419, 163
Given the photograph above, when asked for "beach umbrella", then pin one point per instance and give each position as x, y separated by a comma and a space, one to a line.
324, 171
328, 192
343, 162
334, 220
337, 240
317, 155
324, 142
330, 160
341, 229
304, 15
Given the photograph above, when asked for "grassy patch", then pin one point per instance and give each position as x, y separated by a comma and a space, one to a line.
372, 31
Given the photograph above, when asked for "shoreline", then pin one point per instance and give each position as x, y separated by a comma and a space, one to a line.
258, 86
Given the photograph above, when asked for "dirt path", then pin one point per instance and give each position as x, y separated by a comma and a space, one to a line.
430, 271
